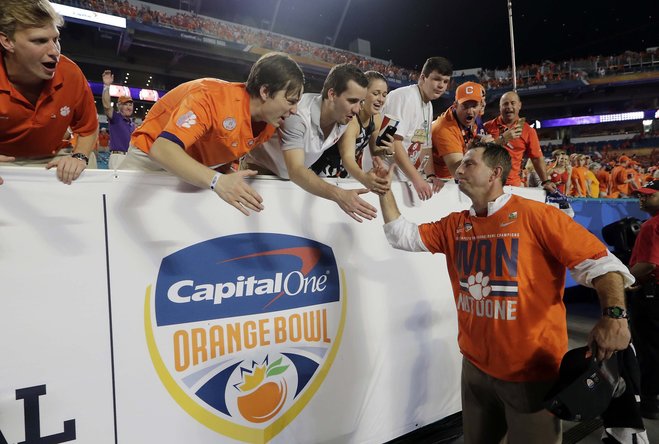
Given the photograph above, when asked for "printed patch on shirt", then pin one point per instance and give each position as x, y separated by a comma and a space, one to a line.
64, 111
468, 227
229, 123
187, 120
512, 217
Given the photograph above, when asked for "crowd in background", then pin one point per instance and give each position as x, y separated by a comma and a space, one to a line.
610, 175
546, 72
600, 158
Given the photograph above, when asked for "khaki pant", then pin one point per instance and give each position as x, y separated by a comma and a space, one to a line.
115, 161
136, 159
496, 411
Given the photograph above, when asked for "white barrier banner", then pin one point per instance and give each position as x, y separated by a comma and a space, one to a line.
137, 309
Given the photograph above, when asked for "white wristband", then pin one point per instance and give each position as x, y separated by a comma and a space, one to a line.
214, 181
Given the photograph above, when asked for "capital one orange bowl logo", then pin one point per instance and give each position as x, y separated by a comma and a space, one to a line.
243, 329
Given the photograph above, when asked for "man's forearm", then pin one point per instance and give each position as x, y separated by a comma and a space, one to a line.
390, 210
429, 166
610, 289
175, 160
642, 271
540, 168
403, 161
310, 182
107, 101
86, 144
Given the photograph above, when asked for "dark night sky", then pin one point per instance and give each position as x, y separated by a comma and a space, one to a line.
470, 33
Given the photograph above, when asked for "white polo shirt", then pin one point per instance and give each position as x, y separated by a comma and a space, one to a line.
300, 130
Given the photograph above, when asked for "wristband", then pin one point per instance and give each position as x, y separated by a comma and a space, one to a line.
214, 180
81, 156
545, 181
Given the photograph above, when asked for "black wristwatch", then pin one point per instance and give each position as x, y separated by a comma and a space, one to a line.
615, 313
81, 157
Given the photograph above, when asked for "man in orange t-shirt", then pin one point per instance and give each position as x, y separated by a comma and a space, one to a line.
42, 93
506, 260
209, 123
620, 178
519, 143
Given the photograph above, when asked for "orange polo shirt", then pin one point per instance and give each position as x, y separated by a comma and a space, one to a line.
209, 118
527, 144
447, 138
34, 131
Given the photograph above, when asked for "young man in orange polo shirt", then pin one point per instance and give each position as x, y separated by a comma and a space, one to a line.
207, 124
506, 259
42, 93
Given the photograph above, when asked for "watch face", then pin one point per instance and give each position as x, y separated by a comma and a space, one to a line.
616, 312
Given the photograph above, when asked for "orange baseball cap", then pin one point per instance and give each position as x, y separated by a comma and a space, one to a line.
469, 91
623, 159
125, 99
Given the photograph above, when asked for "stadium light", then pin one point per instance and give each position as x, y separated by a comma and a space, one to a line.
601, 118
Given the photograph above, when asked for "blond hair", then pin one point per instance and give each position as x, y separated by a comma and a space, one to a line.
27, 14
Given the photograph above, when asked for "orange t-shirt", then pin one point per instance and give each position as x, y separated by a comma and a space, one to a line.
447, 138
604, 177
34, 131
209, 118
527, 144
507, 271
619, 181
579, 181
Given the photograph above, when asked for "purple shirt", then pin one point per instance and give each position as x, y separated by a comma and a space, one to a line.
120, 130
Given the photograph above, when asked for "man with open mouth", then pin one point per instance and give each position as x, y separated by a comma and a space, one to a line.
42, 93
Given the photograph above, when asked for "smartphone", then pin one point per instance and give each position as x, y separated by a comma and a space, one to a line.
389, 130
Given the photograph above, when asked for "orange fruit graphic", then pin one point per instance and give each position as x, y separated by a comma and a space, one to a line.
263, 403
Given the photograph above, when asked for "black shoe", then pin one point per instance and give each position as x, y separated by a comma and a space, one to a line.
650, 407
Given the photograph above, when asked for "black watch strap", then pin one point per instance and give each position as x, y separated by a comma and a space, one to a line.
81, 157
615, 313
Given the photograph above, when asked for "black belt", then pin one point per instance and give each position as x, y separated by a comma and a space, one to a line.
117, 152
